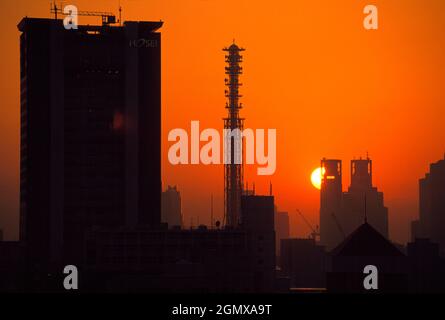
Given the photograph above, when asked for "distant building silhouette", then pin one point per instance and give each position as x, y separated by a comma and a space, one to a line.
366, 246
257, 219
330, 202
281, 228
227, 259
12, 273
171, 207
363, 200
427, 273
90, 133
342, 212
304, 262
431, 222
175, 260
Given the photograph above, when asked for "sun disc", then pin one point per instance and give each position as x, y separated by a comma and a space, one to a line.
316, 178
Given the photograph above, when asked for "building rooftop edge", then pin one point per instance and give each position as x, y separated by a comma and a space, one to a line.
150, 25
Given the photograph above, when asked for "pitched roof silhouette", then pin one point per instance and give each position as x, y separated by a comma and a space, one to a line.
366, 241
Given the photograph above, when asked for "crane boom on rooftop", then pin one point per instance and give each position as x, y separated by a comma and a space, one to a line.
107, 17
315, 232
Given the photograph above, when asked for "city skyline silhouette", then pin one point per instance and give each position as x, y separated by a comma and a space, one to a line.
388, 112
99, 201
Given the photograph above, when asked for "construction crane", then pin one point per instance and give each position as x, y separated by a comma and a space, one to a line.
107, 17
315, 231
338, 225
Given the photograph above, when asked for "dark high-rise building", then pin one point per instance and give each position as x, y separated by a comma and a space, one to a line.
431, 223
281, 228
11, 266
257, 216
90, 133
171, 207
363, 201
427, 268
330, 203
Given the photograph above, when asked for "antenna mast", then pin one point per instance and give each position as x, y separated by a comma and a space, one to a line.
233, 168
120, 13
53, 8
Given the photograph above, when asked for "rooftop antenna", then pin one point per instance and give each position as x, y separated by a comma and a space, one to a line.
120, 13
53, 8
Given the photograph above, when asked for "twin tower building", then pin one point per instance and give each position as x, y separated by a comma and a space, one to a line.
343, 212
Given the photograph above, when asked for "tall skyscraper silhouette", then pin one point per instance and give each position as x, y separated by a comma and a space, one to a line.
171, 207
330, 202
281, 228
258, 223
431, 222
90, 133
363, 201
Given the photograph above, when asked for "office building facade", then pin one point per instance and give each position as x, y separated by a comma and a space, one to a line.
90, 133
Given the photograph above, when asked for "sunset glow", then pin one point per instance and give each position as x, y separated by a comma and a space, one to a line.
310, 70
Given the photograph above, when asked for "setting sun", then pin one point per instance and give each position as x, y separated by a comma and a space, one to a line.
316, 177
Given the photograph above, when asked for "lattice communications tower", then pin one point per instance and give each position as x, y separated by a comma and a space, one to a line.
233, 168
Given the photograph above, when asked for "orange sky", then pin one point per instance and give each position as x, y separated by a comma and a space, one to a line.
328, 86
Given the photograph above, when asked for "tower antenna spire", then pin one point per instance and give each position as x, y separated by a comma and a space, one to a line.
233, 123
54, 9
